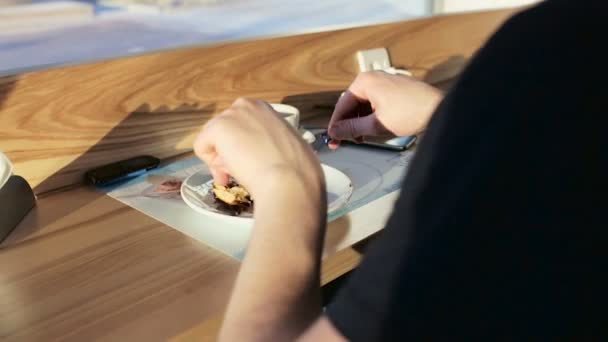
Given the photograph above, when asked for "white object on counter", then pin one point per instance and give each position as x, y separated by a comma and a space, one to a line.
291, 114
6, 169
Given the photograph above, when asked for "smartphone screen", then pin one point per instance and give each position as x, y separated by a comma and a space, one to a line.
119, 170
390, 142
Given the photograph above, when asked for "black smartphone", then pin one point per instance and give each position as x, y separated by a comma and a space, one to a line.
121, 170
390, 143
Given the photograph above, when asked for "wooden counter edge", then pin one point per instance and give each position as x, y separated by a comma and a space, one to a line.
333, 267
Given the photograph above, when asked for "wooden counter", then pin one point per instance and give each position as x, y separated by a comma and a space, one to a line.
82, 266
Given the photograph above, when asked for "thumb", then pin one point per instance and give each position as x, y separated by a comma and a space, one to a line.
218, 170
348, 129
219, 176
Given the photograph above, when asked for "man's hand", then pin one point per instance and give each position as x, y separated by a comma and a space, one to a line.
378, 103
276, 296
252, 143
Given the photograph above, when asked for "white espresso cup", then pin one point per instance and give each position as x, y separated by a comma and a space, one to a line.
291, 114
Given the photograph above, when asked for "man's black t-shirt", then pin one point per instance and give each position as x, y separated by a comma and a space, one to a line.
501, 229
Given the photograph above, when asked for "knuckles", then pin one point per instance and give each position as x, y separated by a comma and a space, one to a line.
237, 115
242, 101
247, 103
370, 77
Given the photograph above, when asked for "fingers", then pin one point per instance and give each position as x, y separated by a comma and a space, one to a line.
204, 148
346, 107
218, 169
350, 129
354, 103
355, 100
243, 102
364, 83
232, 120
349, 106
219, 176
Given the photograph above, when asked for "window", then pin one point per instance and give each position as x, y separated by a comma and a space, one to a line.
38, 33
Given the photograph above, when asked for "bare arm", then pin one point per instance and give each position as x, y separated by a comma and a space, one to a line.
277, 294
322, 330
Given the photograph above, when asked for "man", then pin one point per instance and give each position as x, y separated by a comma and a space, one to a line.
500, 230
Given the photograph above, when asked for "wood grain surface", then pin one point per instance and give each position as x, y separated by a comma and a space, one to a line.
333, 267
60, 122
84, 267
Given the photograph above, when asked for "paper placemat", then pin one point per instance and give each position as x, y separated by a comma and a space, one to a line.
374, 173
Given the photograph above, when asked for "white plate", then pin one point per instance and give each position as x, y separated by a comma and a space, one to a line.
196, 192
